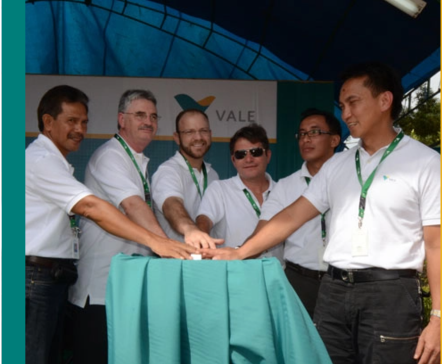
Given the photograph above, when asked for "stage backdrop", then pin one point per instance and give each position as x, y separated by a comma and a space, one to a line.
229, 105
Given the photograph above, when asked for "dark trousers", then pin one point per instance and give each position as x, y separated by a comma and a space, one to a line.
45, 309
305, 287
370, 322
90, 334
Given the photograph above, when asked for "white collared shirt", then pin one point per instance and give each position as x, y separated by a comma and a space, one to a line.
51, 193
304, 246
173, 179
112, 176
233, 216
404, 197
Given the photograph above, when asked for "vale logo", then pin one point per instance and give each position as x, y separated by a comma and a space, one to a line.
186, 102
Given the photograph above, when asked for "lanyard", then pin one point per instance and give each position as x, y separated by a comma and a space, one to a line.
323, 228
252, 202
365, 186
74, 227
145, 184
192, 173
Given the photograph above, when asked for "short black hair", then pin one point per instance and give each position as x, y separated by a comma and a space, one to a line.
380, 78
254, 133
334, 125
52, 100
188, 111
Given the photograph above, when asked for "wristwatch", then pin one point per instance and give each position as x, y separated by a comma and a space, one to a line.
435, 313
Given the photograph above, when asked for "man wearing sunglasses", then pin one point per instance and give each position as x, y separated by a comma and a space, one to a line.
384, 201
231, 208
318, 136
180, 183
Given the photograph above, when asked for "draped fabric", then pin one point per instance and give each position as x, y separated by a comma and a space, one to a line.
172, 311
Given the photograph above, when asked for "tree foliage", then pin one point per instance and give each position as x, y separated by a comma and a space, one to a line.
423, 124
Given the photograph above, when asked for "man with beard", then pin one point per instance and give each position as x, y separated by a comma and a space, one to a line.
116, 172
53, 197
179, 183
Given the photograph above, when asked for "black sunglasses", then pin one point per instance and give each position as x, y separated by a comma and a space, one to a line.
255, 152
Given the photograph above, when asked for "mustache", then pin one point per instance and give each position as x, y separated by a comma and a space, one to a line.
146, 127
76, 136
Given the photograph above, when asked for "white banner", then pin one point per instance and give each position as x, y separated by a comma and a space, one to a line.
229, 104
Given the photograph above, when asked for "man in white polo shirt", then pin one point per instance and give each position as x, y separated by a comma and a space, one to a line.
53, 196
384, 201
179, 184
117, 173
231, 208
318, 136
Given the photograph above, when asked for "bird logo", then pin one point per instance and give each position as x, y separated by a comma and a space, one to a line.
186, 102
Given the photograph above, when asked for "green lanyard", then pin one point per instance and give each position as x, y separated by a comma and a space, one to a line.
365, 186
74, 227
323, 228
192, 173
145, 184
252, 202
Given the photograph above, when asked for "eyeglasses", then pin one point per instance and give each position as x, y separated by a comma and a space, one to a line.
142, 116
255, 152
311, 133
192, 133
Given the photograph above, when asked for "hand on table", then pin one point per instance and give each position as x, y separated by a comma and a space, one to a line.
168, 248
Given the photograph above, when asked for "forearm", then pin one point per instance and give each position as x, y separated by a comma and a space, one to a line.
270, 233
432, 253
204, 223
139, 212
177, 216
110, 219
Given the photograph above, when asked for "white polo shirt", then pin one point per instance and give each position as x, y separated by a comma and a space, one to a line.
173, 179
51, 193
233, 216
305, 246
112, 176
404, 197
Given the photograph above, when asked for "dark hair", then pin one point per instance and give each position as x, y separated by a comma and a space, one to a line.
52, 100
188, 111
332, 121
380, 78
254, 133
132, 95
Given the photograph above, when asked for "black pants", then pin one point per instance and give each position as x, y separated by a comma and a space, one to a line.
90, 334
306, 288
370, 322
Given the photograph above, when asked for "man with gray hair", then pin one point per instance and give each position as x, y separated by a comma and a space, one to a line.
116, 172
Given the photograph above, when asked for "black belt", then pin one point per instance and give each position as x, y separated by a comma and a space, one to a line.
315, 274
369, 274
47, 262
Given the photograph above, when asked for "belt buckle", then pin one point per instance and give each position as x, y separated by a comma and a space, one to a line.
347, 276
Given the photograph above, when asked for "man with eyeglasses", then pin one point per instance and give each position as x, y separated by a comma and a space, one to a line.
116, 172
318, 137
231, 208
53, 197
384, 201
180, 183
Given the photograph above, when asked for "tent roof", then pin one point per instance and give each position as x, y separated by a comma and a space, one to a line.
229, 39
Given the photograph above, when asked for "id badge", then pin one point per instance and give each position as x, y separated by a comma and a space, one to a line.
76, 247
322, 265
359, 243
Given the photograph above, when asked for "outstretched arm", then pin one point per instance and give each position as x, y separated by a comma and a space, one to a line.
175, 212
272, 233
109, 218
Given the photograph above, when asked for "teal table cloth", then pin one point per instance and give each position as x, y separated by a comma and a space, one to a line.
206, 312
